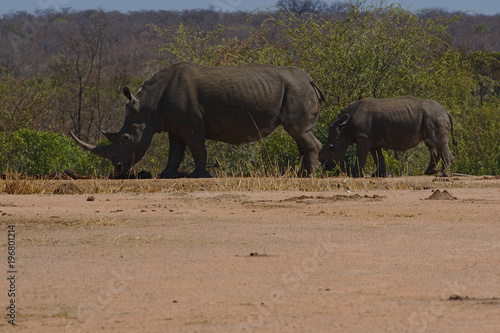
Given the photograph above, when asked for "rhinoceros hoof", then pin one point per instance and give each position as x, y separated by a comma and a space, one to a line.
202, 174
144, 175
357, 174
431, 171
379, 175
169, 175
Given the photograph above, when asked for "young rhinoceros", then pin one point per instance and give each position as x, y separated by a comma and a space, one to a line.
236, 104
398, 124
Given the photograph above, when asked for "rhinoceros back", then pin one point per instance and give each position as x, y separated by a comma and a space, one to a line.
398, 123
232, 104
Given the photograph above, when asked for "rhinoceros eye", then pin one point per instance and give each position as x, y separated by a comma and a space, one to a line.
124, 138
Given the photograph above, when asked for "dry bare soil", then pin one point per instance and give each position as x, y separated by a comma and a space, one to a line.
205, 256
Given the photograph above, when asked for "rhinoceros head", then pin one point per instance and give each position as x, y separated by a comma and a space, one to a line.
128, 145
336, 146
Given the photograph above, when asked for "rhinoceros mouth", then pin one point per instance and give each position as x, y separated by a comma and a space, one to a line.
329, 165
121, 171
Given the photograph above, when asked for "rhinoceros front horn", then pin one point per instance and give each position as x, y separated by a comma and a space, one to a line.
101, 151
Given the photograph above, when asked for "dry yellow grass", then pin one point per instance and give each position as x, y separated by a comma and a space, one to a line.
94, 186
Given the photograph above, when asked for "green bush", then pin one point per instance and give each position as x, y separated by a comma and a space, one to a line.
33, 152
478, 136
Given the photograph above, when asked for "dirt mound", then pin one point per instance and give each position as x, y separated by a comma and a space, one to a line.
438, 195
338, 197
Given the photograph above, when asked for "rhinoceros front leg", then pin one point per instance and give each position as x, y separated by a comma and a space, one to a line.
362, 150
379, 159
195, 141
175, 157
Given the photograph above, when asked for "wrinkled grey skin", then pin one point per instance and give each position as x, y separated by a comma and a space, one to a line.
398, 124
236, 105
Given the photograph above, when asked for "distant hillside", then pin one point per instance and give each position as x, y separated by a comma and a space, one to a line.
28, 42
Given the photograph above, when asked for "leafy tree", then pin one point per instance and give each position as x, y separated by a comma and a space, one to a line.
487, 74
79, 69
24, 103
216, 47
299, 7
482, 29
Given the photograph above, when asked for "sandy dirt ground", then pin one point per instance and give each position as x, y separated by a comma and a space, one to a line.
382, 260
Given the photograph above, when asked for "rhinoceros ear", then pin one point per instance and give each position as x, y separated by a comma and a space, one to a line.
342, 121
338, 125
127, 93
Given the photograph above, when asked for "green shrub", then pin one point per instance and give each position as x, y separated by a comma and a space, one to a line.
32, 152
478, 136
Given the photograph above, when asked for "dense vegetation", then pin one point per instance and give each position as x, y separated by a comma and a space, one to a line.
63, 71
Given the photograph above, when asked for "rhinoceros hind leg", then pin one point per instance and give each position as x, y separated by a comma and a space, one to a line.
446, 159
432, 169
309, 148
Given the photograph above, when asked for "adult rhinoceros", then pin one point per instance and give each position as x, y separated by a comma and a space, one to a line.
398, 124
236, 105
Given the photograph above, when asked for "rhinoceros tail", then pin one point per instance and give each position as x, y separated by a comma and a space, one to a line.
452, 136
319, 92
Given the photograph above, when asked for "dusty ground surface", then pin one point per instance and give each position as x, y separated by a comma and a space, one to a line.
357, 260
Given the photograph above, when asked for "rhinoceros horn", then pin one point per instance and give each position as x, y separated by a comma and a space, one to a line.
112, 137
102, 151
